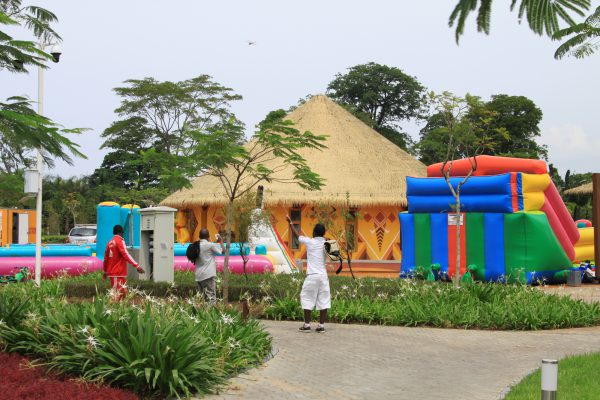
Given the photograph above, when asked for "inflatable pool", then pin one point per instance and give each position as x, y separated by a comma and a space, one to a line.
256, 264
52, 266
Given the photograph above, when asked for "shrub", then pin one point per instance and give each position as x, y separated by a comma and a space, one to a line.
167, 348
54, 239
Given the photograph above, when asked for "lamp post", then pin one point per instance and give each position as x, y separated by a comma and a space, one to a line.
55, 51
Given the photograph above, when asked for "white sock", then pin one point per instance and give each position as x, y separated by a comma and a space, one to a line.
306, 325
321, 326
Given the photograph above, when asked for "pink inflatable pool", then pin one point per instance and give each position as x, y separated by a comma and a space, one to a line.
256, 264
51, 266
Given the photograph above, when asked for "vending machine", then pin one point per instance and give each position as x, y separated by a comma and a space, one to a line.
156, 244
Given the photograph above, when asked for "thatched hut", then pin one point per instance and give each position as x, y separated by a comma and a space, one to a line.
360, 167
584, 190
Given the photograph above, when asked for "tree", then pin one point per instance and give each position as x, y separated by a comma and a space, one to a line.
16, 55
542, 16
465, 137
21, 128
157, 119
382, 96
514, 123
583, 41
272, 155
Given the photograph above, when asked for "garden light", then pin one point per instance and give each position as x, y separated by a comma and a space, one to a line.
549, 379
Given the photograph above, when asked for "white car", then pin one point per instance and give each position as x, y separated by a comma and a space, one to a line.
83, 234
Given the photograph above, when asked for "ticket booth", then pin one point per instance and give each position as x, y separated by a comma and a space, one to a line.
156, 244
17, 226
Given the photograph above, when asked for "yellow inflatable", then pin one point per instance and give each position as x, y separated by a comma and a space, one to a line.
584, 248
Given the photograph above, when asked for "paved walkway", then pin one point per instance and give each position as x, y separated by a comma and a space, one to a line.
373, 362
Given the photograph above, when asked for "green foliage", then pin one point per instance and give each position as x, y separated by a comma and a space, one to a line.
583, 41
155, 132
11, 190
22, 130
406, 302
512, 125
16, 55
542, 15
573, 380
166, 348
54, 239
381, 96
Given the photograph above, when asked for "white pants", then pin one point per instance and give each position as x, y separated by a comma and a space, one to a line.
315, 292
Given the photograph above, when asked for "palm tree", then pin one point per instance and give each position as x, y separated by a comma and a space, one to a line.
543, 16
585, 38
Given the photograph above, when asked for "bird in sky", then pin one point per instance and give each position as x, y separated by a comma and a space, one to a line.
251, 42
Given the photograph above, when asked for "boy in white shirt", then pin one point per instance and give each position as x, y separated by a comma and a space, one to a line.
315, 290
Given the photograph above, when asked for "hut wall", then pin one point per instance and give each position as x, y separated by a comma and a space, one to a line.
376, 228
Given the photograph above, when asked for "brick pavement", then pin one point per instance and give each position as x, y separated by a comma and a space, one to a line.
375, 362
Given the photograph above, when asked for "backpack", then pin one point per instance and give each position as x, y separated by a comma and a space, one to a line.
193, 252
332, 249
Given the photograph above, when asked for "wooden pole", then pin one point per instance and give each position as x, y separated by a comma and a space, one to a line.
596, 220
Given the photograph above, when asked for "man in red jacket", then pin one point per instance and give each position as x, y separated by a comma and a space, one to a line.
116, 258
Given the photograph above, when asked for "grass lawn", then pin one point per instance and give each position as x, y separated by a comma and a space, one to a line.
576, 380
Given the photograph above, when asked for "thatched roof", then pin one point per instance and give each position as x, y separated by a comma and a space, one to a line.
583, 190
358, 161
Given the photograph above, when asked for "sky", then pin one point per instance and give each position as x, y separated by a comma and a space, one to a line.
300, 46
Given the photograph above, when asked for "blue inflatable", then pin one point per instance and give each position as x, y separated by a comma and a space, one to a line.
108, 215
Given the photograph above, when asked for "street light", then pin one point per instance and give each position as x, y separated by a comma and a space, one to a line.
55, 51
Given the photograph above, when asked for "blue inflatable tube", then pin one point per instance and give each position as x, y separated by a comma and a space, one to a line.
497, 184
407, 231
54, 251
493, 203
493, 232
180, 249
439, 242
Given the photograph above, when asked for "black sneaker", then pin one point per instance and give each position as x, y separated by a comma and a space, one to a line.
320, 329
304, 328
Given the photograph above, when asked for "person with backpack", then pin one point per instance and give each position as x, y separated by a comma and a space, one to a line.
202, 254
315, 289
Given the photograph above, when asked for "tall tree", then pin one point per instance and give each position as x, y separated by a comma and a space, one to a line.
464, 137
21, 128
543, 17
513, 120
386, 95
157, 119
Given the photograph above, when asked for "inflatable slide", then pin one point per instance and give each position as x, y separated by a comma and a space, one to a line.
514, 225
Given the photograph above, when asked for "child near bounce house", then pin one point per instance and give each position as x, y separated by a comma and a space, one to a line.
315, 290
116, 258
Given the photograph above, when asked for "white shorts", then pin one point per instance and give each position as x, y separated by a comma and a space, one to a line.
315, 292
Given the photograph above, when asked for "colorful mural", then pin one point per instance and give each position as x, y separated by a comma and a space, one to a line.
376, 229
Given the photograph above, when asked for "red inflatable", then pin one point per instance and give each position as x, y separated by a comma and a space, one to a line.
490, 165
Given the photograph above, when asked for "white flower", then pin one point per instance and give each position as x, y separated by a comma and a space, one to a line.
123, 318
233, 343
194, 319
92, 341
266, 299
344, 287
108, 311
84, 330
2, 322
227, 319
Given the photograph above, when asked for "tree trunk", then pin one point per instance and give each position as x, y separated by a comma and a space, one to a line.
227, 250
458, 221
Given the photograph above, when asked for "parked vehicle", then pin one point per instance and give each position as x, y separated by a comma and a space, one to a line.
83, 234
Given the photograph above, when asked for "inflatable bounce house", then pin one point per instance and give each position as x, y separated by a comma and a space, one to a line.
514, 225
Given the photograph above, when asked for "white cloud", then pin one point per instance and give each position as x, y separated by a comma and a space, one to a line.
571, 147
